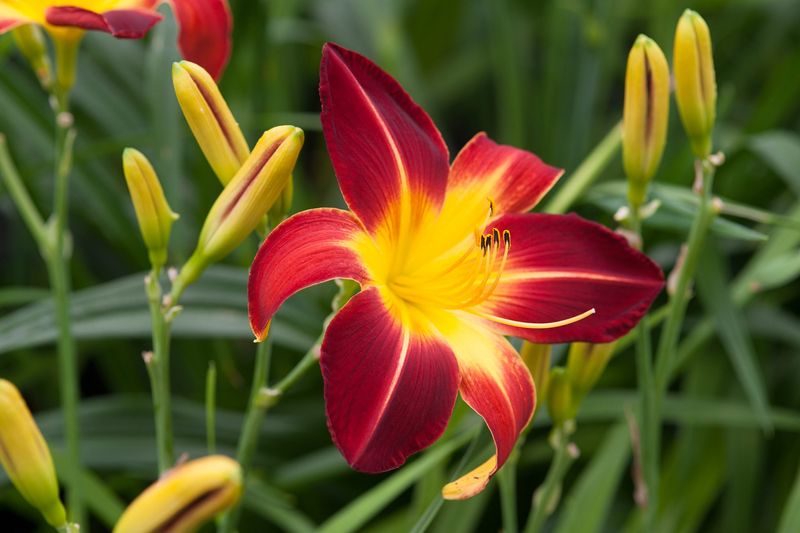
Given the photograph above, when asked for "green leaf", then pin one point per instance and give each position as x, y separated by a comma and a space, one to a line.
589, 500
216, 306
101, 500
275, 507
712, 285
361, 510
781, 151
790, 519
674, 215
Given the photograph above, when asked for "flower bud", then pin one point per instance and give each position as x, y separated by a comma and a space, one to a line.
30, 41
185, 497
244, 201
26, 458
537, 358
695, 81
210, 119
560, 401
645, 117
585, 364
152, 210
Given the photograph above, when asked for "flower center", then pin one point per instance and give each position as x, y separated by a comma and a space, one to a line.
457, 281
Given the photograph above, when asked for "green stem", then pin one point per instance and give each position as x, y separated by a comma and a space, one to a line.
211, 408
667, 346
262, 399
507, 479
587, 172
27, 209
546, 498
648, 413
57, 256
158, 370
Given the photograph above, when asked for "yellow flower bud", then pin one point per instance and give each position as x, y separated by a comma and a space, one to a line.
152, 210
210, 119
586, 363
185, 497
244, 201
645, 116
695, 81
30, 41
560, 402
537, 358
26, 458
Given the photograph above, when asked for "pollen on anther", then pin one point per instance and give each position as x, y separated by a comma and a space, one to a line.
496, 235
507, 237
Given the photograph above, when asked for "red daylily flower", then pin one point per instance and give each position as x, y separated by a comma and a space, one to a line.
205, 25
449, 263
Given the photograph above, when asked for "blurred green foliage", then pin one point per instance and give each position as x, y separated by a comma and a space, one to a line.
546, 76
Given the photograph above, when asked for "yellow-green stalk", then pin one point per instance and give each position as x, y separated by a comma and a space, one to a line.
185, 498
645, 116
585, 364
210, 119
26, 458
31, 42
537, 358
152, 210
560, 401
695, 81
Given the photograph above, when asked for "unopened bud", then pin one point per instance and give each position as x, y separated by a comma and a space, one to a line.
560, 403
186, 497
695, 81
586, 363
26, 458
244, 201
646, 113
210, 120
30, 41
152, 210
537, 358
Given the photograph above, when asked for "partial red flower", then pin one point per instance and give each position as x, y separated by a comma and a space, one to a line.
205, 25
449, 263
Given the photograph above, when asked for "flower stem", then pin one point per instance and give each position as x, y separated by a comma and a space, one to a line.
262, 399
158, 370
57, 256
545, 500
507, 479
587, 172
27, 209
667, 346
648, 413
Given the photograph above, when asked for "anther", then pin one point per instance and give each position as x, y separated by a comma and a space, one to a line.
507, 237
496, 235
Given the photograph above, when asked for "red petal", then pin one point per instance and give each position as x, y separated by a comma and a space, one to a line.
381, 143
514, 179
388, 392
561, 266
311, 247
121, 23
495, 383
205, 33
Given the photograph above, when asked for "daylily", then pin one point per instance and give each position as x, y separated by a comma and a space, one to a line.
205, 25
449, 263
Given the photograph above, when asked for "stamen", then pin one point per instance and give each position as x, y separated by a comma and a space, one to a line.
535, 325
